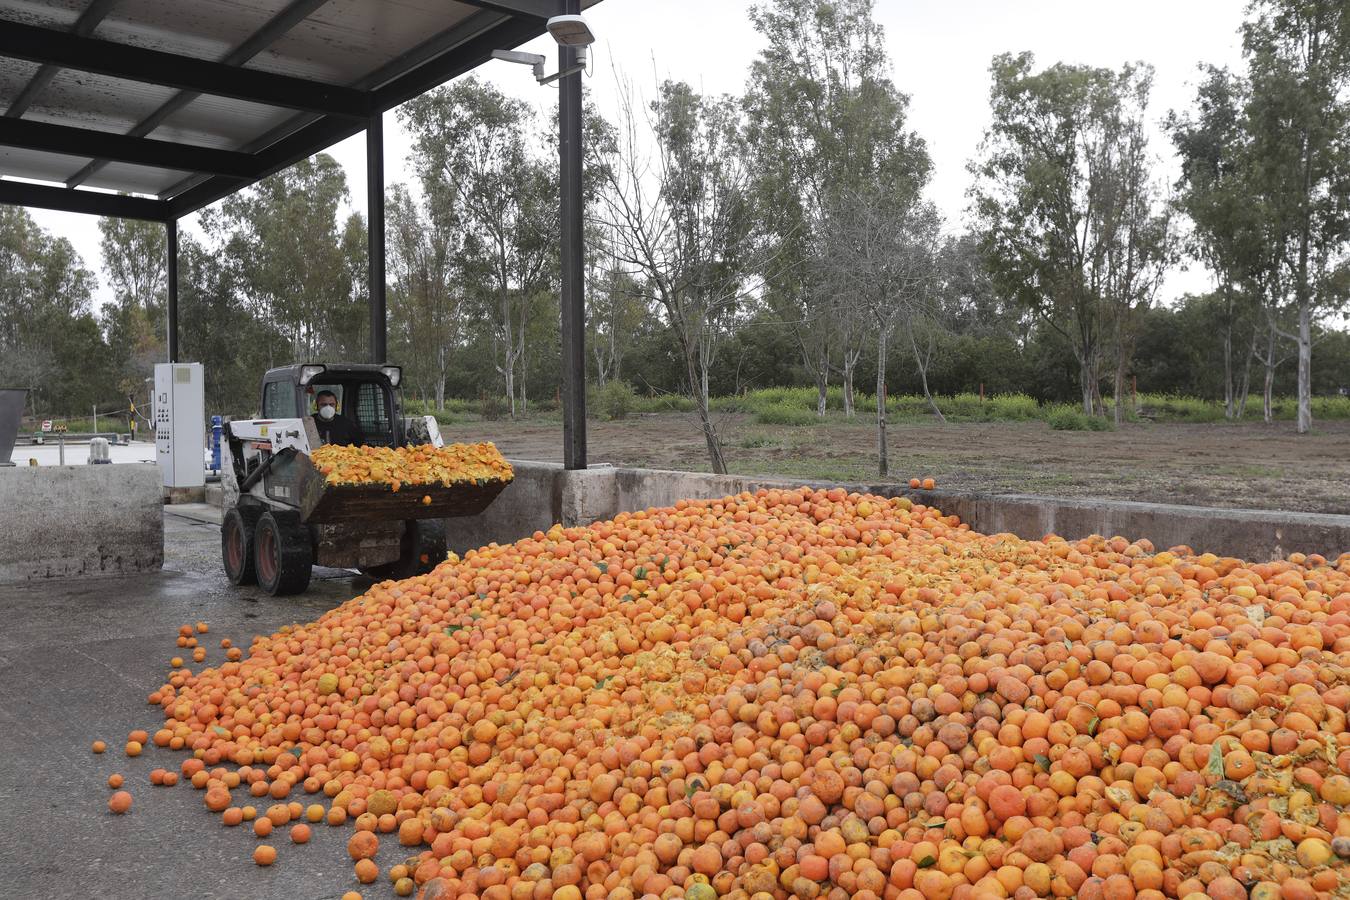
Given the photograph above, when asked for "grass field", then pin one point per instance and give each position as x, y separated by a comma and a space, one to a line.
1247, 464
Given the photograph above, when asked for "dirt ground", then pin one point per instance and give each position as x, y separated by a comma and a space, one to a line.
1237, 465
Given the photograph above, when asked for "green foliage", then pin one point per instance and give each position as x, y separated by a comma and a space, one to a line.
616, 400
966, 406
493, 407
447, 416
1062, 195
664, 403
302, 262
50, 342
106, 424
783, 414
1176, 408
1286, 408
1069, 418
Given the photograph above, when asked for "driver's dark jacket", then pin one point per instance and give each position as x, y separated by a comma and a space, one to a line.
337, 430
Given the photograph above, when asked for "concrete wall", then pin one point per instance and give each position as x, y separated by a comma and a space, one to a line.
544, 493
530, 503
80, 520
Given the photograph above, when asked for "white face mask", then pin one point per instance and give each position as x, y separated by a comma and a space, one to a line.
327, 412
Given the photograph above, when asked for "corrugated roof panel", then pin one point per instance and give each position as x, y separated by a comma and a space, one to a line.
46, 13
14, 77
86, 100
23, 163
345, 40
341, 42
136, 179
204, 29
210, 121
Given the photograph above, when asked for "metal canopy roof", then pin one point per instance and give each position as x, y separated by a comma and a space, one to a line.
187, 101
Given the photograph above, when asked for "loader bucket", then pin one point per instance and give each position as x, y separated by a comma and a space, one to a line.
323, 503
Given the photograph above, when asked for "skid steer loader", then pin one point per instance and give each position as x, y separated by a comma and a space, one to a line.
282, 517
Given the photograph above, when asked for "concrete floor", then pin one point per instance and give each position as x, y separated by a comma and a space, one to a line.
77, 659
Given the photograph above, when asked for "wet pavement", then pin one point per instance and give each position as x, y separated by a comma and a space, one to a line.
77, 661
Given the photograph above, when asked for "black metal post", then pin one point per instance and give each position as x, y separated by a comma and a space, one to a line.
573, 258
171, 276
375, 232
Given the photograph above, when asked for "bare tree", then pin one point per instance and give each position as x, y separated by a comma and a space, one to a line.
675, 207
886, 264
616, 309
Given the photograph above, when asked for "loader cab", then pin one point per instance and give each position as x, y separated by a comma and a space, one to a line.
366, 394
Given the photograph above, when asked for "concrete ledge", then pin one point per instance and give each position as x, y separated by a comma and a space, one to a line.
80, 520
544, 493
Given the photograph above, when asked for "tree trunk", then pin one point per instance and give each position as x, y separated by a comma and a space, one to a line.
698, 387
927, 395
1244, 391
822, 391
883, 461
1087, 382
1267, 406
1228, 398
1304, 367
848, 384
440, 385
520, 356
1119, 389
921, 363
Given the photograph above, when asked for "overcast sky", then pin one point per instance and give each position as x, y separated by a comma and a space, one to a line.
940, 53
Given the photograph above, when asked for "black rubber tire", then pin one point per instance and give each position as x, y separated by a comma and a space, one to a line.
283, 554
422, 549
236, 544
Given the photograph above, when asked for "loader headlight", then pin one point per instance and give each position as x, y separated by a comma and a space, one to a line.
393, 373
309, 373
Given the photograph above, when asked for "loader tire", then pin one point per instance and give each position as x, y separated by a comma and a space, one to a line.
422, 550
236, 544
283, 554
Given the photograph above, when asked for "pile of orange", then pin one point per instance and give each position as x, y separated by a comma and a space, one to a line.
810, 694
425, 464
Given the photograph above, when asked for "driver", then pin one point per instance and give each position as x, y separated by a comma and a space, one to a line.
333, 427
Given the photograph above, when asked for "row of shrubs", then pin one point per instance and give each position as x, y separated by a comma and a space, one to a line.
796, 406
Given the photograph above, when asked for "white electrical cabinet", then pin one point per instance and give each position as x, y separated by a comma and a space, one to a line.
180, 424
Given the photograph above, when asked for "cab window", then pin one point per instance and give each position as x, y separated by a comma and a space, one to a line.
278, 400
372, 410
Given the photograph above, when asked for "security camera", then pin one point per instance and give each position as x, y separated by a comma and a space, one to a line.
568, 31
571, 31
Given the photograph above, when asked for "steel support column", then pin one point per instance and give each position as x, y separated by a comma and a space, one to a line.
375, 232
171, 276
573, 258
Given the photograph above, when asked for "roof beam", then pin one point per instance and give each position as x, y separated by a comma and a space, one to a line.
538, 9
21, 193
291, 15
84, 25
297, 139
44, 45
87, 142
